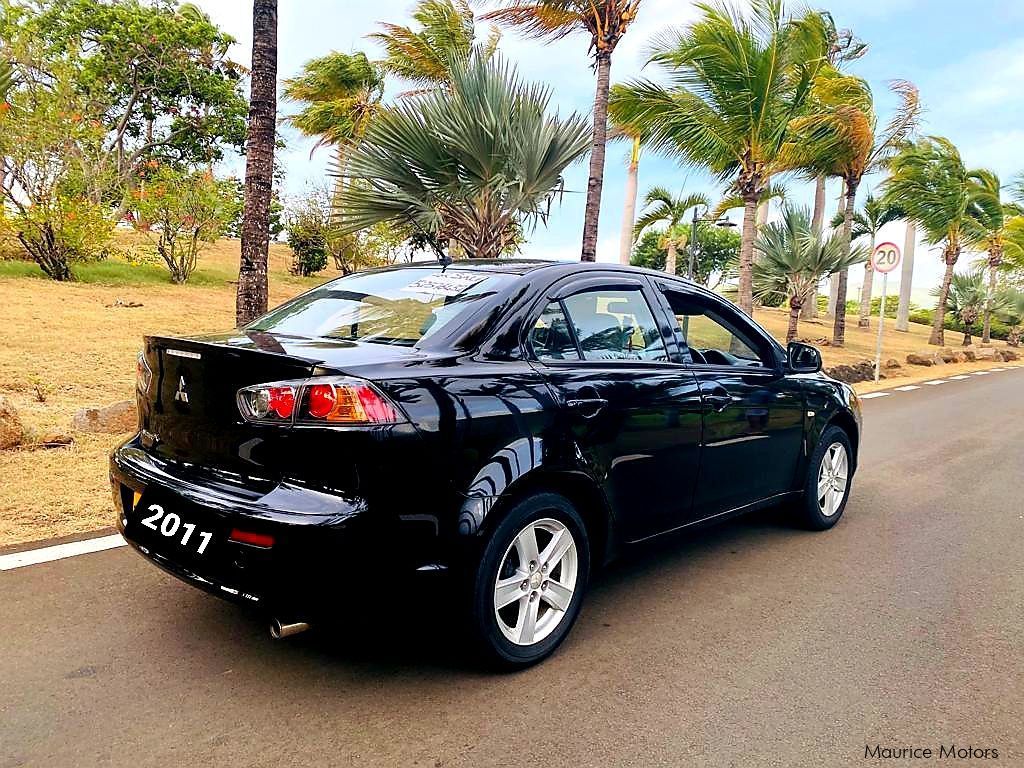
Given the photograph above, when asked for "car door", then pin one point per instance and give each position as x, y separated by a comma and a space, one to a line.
633, 416
753, 415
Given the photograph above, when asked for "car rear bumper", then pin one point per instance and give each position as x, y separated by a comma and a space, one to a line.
324, 544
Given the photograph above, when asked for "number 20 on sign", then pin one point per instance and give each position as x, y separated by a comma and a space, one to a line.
885, 258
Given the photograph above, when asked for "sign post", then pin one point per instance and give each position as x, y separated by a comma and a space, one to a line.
885, 258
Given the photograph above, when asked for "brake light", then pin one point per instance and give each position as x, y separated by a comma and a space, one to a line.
334, 400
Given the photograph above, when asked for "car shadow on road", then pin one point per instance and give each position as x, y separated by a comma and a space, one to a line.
419, 632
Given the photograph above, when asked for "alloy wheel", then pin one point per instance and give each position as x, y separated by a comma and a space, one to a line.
832, 479
536, 581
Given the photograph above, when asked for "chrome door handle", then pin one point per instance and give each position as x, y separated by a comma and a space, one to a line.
587, 406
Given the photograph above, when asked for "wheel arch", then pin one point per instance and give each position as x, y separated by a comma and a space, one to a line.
848, 424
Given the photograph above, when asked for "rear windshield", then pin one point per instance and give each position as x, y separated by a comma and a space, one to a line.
402, 306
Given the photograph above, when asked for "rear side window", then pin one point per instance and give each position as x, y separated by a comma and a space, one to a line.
615, 325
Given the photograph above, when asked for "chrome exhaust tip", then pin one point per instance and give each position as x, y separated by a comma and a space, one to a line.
280, 630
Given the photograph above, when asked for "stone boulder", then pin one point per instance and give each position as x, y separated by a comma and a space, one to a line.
947, 354
55, 440
114, 419
891, 364
985, 353
1008, 355
851, 374
915, 358
969, 354
12, 431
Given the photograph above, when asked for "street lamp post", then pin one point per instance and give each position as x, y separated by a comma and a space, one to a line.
722, 222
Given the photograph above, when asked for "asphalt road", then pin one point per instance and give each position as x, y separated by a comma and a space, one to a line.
751, 644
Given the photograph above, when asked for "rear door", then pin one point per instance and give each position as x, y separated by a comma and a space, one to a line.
753, 422
633, 415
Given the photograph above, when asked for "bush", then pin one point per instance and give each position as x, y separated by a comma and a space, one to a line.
180, 211
308, 241
952, 323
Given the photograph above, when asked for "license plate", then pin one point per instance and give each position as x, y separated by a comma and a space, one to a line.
172, 527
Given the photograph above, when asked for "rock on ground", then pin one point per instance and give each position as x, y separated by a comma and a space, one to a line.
114, 419
12, 431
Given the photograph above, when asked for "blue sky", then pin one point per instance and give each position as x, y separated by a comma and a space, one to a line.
967, 58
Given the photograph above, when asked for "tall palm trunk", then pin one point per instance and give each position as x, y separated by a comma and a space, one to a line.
592, 214
864, 319
950, 256
833, 280
809, 311
251, 299
906, 278
839, 326
629, 209
745, 288
995, 258
795, 304
670, 258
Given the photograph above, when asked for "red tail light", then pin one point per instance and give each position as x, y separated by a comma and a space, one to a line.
334, 400
255, 539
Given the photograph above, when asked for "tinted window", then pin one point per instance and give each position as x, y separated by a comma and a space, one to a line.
615, 325
399, 306
550, 336
711, 338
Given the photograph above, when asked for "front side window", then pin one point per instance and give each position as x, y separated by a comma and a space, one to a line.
710, 338
550, 336
615, 325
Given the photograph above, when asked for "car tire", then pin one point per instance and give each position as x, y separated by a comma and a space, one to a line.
829, 477
526, 599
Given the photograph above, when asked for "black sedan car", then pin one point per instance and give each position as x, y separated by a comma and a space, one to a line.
514, 423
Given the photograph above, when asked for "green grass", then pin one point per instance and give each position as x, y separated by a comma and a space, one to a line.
115, 271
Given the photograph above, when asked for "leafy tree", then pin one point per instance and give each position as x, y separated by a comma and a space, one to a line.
185, 210
157, 79
737, 82
794, 258
929, 181
997, 227
251, 297
663, 208
867, 222
444, 42
472, 165
717, 251
605, 21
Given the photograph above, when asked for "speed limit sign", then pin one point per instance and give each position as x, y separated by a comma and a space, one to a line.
885, 258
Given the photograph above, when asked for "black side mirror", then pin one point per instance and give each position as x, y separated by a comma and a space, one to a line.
803, 358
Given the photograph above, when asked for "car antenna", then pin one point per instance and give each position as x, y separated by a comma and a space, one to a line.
442, 258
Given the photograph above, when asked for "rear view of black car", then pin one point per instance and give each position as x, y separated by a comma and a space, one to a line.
513, 423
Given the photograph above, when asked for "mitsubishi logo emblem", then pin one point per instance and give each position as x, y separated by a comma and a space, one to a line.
181, 395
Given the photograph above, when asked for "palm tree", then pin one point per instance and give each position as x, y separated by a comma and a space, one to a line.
251, 297
670, 211
472, 165
738, 82
867, 222
845, 141
629, 205
965, 299
995, 231
339, 94
794, 258
444, 42
605, 21
1012, 313
929, 181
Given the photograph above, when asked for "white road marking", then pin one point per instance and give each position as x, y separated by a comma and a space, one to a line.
60, 551
871, 395
997, 369
907, 388
935, 382
979, 373
961, 377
